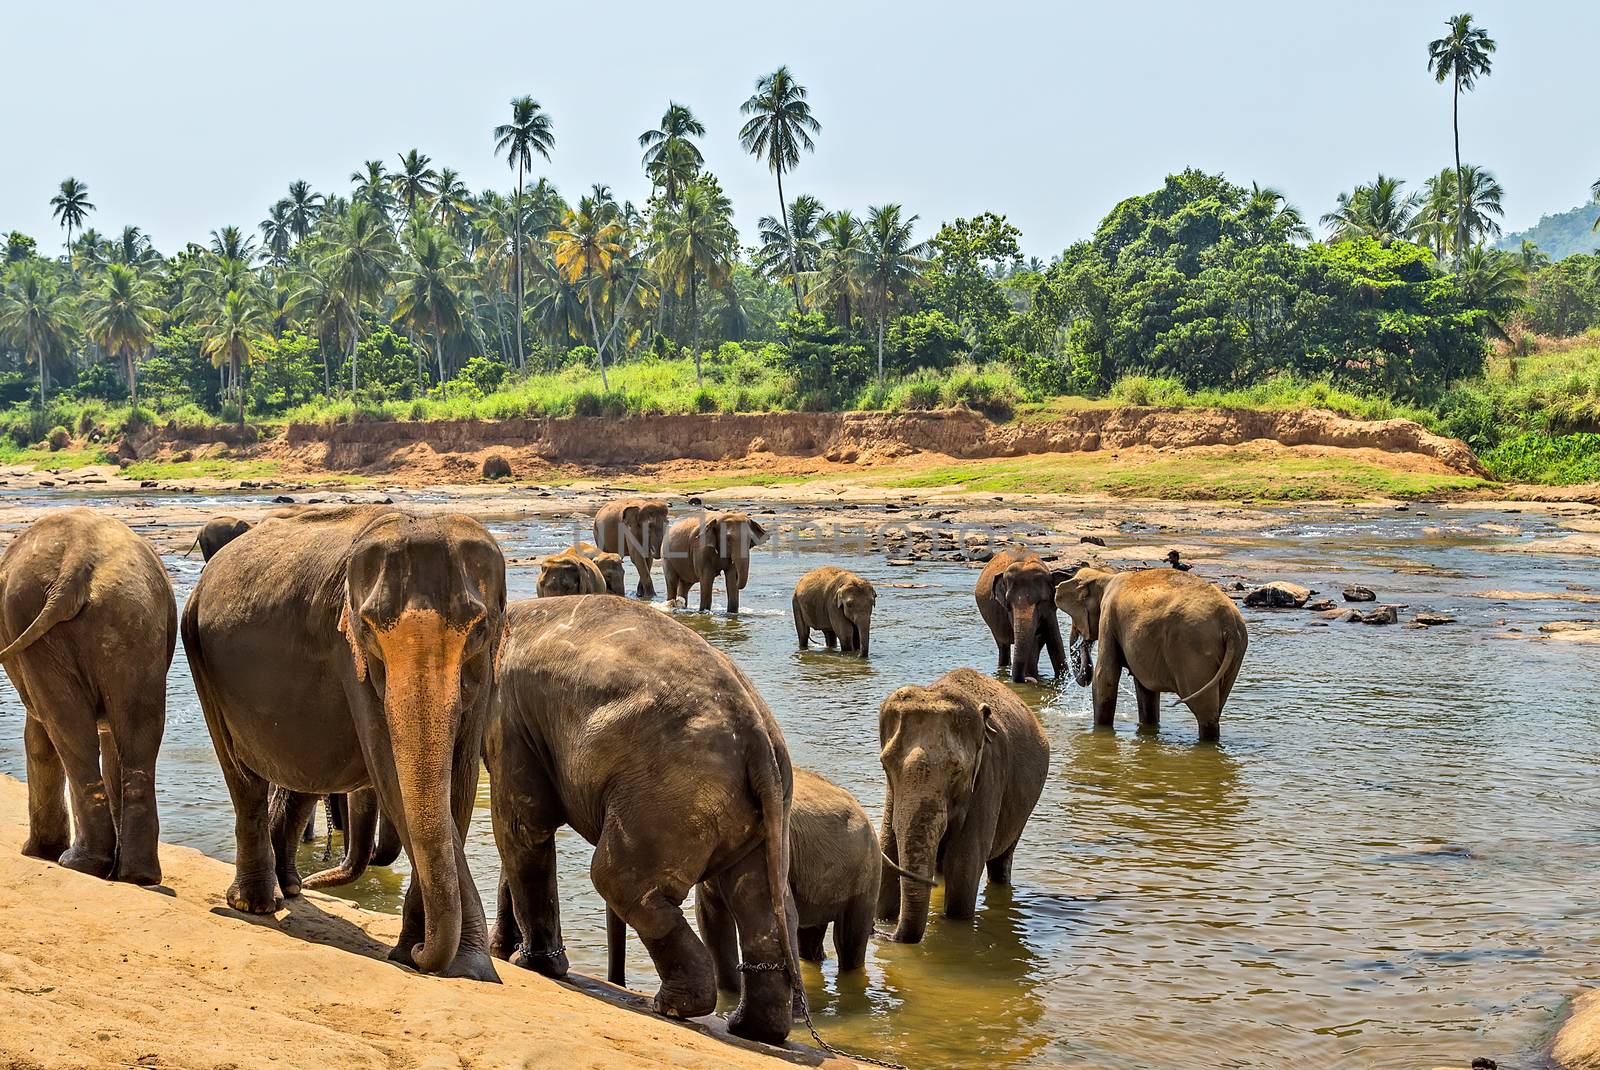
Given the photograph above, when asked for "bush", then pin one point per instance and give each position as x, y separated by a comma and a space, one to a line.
1541, 458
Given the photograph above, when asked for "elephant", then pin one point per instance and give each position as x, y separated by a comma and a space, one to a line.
353, 647
218, 532
609, 564
569, 572
616, 720
700, 547
966, 761
1171, 630
834, 863
1016, 597
89, 625
635, 528
838, 603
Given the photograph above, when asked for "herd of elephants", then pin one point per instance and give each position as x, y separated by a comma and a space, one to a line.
368, 654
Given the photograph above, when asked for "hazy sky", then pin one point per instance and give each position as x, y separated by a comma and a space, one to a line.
183, 117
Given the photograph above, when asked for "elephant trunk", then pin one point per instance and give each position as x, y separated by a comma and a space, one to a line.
1024, 643
917, 835
863, 636
741, 569
1082, 658
422, 662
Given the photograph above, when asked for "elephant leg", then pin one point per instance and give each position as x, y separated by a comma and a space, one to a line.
288, 811
1000, 866
766, 1001
811, 939
388, 847
731, 581
134, 729
1005, 654
802, 629
360, 828
718, 929
472, 957
616, 949
1149, 707
851, 932
70, 723
255, 882
647, 893
1207, 710
1107, 672
525, 814
889, 880
829, 639
505, 936
1052, 644
49, 829
529, 872
708, 582
963, 870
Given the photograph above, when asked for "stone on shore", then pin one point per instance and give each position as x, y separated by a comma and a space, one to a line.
1278, 595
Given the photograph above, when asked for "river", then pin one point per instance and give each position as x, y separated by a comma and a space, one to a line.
1387, 862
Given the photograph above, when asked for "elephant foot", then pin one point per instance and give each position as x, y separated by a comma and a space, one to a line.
84, 860
767, 1010
144, 873
49, 850
475, 965
256, 899
549, 963
325, 878
503, 939
686, 1001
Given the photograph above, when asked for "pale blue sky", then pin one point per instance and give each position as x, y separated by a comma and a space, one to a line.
185, 116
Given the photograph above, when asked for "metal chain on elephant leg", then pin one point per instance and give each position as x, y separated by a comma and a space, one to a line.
327, 847
797, 989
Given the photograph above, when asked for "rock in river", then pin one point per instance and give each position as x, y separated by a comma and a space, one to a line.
1359, 594
1278, 595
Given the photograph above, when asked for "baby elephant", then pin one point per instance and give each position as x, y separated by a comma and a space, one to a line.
700, 548
609, 564
90, 620
570, 572
837, 603
966, 761
834, 864
218, 532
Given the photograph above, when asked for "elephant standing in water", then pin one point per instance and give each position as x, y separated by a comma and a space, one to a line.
839, 604
1171, 630
570, 572
89, 623
618, 721
966, 762
699, 548
348, 647
1016, 598
635, 528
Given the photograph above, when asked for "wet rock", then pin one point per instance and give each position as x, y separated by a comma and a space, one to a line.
147, 483
283, 499
1360, 594
1340, 614
1431, 620
1278, 595
496, 466
1321, 605
901, 561
1381, 615
1093, 540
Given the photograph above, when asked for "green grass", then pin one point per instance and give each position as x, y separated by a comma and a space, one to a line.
46, 460
724, 481
1533, 457
203, 468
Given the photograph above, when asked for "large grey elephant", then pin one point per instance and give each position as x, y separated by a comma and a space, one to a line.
1172, 631
839, 604
88, 623
355, 646
618, 721
1016, 598
634, 528
966, 761
700, 548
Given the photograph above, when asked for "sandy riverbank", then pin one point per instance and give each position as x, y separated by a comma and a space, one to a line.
94, 974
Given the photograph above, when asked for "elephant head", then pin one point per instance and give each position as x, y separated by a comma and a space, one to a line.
850, 611
424, 613
1078, 595
1025, 589
218, 532
726, 539
570, 572
932, 746
648, 517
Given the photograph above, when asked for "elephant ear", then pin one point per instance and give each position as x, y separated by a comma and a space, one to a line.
758, 532
990, 730
1058, 576
357, 655
1002, 588
711, 534
630, 514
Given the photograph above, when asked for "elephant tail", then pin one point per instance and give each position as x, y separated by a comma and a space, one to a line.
66, 598
1222, 667
766, 779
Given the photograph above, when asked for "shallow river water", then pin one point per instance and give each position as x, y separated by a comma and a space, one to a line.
1388, 861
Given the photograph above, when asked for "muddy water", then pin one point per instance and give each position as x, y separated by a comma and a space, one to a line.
1388, 861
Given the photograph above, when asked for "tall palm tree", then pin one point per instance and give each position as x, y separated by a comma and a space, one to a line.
429, 288
792, 248
779, 128
277, 235
891, 264
528, 132
1531, 256
670, 158
452, 203
359, 260
585, 245
122, 318
1461, 56
36, 317
233, 244
373, 188
318, 303
1452, 212
305, 205
698, 241
71, 206
838, 275
415, 182
1493, 281
132, 246
1379, 211
1269, 216
231, 335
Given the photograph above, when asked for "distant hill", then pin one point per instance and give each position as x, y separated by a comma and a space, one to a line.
1560, 235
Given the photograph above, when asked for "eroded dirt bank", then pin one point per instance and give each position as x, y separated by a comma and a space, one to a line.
94, 974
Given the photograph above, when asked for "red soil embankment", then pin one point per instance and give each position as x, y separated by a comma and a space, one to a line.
869, 436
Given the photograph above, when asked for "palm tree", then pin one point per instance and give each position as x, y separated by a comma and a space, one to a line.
122, 319
1268, 216
1451, 214
891, 264
698, 240
416, 181
320, 304
1461, 56
584, 247
792, 248
1436, 212
133, 247
231, 243
305, 205
71, 206
36, 316
779, 127
528, 132
1379, 211
230, 337
838, 275
92, 249
1531, 256
372, 188
452, 203
359, 260
1493, 281
277, 235
670, 158
429, 290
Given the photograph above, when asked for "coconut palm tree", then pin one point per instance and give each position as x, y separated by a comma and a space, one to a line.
277, 236
305, 205
1531, 256
322, 307
122, 318
230, 337
779, 128
36, 317
359, 260
92, 249
528, 132
71, 206
132, 246
373, 188
698, 241
792, 248
838, 278
1449, 214
415, 182
670, 158
584, 247
1268, 216
452, 203
1379, 211
231, 243
1461, 56
1493, 280
891, 264
429, 288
